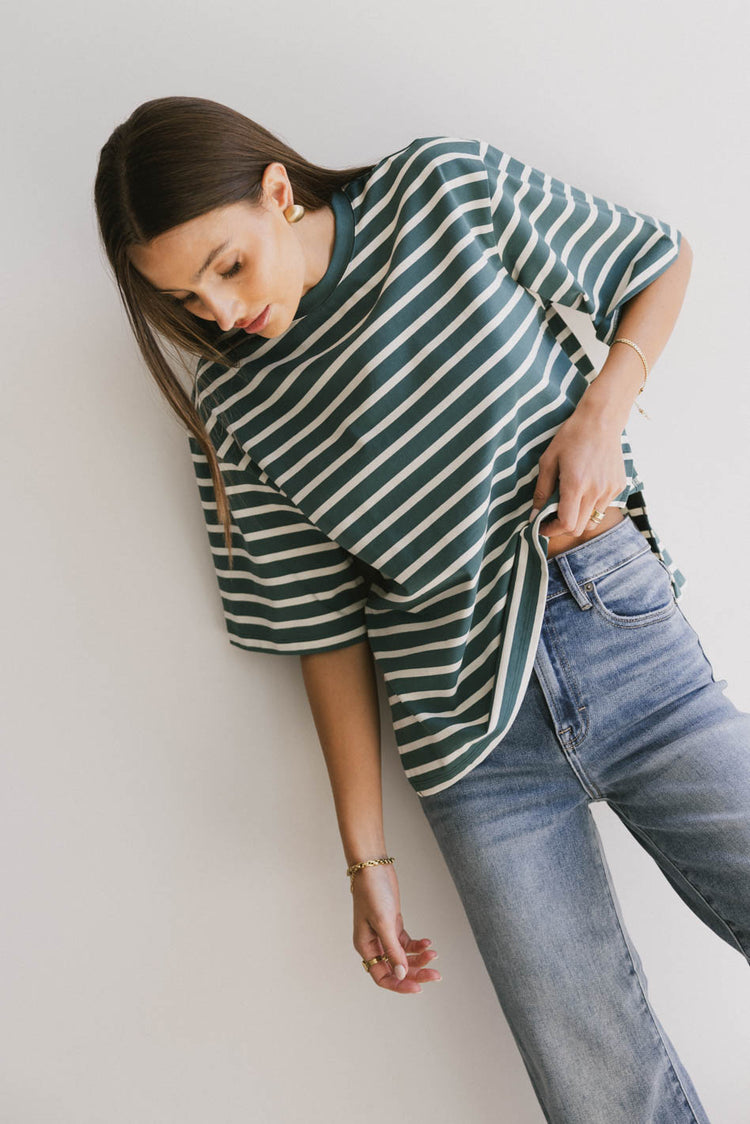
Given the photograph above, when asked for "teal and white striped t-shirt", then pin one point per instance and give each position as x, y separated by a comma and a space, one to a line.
380, 456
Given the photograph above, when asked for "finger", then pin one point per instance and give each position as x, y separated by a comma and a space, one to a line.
554, 527
383, 976
545, 484
570, 507
589, 499
413, 945
573, 512
419, 956
416, 948
417, 945
421, 969
586, 519
397, 958
599, 503
382, 972
422, 959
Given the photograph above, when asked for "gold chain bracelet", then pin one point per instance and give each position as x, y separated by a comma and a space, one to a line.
352, 870
621, 339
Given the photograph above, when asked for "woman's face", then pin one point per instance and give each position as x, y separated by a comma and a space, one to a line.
262, 259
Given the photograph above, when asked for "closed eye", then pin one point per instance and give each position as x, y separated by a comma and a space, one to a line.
235, 269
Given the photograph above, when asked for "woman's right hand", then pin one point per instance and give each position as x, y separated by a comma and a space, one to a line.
379, 930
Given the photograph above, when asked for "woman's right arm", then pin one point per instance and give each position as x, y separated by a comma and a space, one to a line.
342, 691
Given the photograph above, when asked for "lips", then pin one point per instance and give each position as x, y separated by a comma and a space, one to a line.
257, 323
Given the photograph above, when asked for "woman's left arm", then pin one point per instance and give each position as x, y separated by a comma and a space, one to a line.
586, 451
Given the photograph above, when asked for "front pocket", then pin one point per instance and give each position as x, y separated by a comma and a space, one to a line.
638, 592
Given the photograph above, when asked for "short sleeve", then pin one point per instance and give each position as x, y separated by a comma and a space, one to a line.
570, 247
291, 590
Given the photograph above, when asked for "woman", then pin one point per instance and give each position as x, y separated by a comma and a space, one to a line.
404, 453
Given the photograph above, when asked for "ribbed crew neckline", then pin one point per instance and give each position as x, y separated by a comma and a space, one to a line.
342, 251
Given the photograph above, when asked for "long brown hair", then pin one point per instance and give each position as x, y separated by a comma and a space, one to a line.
172, 160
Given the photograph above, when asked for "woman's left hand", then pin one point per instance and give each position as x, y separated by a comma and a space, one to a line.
586, 455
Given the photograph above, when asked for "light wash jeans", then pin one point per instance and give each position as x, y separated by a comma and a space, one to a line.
623, 706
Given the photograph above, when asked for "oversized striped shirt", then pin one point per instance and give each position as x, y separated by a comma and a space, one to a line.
380, 455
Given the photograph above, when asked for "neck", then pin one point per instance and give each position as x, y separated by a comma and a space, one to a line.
319, 238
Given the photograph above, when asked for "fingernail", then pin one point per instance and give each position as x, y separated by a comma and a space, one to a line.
400, 971
534, 512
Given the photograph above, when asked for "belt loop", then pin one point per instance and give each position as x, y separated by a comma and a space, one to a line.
582, 599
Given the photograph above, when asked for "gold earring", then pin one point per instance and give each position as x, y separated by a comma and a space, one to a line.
294, 212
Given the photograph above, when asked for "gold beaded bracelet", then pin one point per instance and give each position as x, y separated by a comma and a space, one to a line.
621, 339
352, 870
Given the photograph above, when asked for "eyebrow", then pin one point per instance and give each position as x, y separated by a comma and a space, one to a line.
214, 253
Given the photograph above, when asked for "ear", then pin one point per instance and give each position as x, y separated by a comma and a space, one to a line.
277, 190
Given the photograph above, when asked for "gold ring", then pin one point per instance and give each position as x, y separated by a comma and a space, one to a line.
367, 964
596, 515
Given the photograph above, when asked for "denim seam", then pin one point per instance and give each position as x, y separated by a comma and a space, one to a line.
700, 643
582, 708
638, 621
616, 566
602, 574
673, 866
626, 942
542, 674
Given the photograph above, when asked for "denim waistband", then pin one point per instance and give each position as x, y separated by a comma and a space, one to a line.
571, 569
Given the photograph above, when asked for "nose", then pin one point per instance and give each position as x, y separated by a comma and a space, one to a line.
223, 313
225, 318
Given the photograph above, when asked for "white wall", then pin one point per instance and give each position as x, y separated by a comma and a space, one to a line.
176, 922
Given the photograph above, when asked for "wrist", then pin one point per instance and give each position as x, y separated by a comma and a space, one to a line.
614, 390
356, 870
608, 401
365, 848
